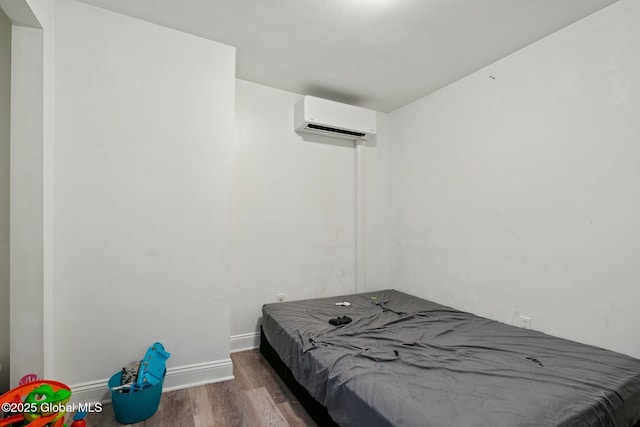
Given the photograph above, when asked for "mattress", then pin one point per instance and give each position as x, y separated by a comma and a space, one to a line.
405, 361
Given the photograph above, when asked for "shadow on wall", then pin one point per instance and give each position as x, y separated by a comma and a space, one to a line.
309, 137
5, 105
337, 95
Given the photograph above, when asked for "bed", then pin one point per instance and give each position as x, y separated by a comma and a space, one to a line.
405, 361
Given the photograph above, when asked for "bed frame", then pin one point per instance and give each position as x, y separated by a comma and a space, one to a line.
317, 411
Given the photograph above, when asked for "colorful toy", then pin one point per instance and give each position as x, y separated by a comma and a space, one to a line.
38, 403
78, 419
29, 378
152, 368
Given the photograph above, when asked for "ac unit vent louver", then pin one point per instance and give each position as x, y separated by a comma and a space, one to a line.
335, 130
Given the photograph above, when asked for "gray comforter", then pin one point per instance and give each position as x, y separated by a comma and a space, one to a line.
404, 361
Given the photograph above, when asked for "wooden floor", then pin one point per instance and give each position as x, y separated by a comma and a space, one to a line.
257, 397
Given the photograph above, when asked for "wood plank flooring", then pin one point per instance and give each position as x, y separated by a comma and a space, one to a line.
256, 398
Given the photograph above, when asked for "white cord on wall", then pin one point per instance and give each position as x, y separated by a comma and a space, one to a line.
360, 217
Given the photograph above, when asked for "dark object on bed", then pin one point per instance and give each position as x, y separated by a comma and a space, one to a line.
404, 361
343, 320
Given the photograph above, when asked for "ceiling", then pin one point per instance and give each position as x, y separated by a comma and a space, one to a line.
378, 54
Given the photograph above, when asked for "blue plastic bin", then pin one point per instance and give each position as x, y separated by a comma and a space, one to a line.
130, 408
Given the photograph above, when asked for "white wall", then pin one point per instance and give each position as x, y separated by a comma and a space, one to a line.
27, 183
293, 208
520, 195
142, 197
5, 108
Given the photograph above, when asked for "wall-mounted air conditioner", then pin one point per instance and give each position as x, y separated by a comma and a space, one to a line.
333, 119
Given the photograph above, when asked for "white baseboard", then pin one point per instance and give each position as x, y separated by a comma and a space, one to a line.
177, 378
244, 342
89, 392
198, 374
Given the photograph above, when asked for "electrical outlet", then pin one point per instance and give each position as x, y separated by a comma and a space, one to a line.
280, 297
525, 322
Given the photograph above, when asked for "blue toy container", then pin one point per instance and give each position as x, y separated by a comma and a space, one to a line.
133, 407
